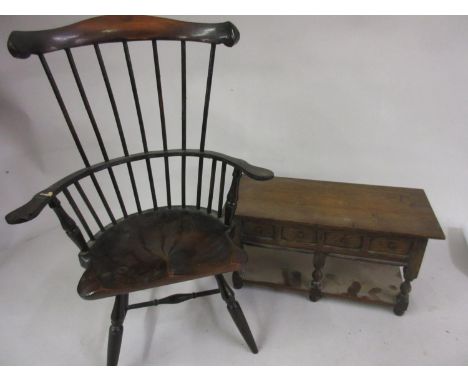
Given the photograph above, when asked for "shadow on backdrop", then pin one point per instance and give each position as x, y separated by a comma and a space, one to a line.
458, 249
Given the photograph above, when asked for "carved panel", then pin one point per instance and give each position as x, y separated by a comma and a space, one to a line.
395, 246
299, 234
343, 239
259, 230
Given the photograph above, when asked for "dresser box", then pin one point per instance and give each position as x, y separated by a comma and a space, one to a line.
326, 238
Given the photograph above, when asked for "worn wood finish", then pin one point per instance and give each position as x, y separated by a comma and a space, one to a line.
169, 243
395, 210
105, 29
381, 225
158, 248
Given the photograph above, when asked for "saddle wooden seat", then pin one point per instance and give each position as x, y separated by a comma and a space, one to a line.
158, 248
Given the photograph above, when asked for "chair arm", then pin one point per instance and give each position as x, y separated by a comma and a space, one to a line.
34, 207
31, 209
254, 172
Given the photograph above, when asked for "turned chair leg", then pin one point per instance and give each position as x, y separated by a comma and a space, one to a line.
236, 312
237, 281
116, 329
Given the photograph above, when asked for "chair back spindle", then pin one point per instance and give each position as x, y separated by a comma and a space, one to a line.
205, 120
71, 127
140, 121
89, 205
207, 96
118, 123
184, 116
69, 225
221, 189
212, 181
78, 213
64, 110
95, 127
124, 31
163, 120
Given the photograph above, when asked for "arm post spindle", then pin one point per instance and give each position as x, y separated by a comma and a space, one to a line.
232, 197
71, 229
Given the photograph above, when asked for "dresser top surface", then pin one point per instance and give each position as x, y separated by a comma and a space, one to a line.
382, 209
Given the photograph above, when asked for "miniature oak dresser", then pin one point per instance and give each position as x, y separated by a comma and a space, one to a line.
303, 235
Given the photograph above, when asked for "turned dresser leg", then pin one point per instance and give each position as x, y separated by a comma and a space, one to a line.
237, 281
402, 300
315, 292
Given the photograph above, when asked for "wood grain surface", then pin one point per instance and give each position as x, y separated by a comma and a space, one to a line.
387, 210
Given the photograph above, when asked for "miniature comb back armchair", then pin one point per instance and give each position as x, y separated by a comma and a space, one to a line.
164, 244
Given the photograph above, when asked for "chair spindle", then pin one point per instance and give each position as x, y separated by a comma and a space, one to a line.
64, 110
205, 120
207, 96
103, 198
89, 205
221, 189
110, 93
212, 181
140, 121
199, 181
163, 120
184, 114
78, 213
89, 111
69, 225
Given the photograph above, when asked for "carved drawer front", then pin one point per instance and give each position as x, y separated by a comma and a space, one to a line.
343, 240
395, 246
259, 230
299, 234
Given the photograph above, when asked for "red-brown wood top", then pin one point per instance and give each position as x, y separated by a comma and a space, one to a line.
388, 210
105, 29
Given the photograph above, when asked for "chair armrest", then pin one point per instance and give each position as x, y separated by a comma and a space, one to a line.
30, 210
34, 207
254, 172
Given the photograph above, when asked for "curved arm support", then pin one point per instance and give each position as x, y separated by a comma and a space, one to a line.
254, 172
34, 207
31, 209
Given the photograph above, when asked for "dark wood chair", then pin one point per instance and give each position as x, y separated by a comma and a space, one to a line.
164, 244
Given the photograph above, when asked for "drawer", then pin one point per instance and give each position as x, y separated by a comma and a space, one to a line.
299, 234
396, 246
343, 239
258, 230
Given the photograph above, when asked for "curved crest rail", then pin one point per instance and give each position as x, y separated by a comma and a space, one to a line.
106, 29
